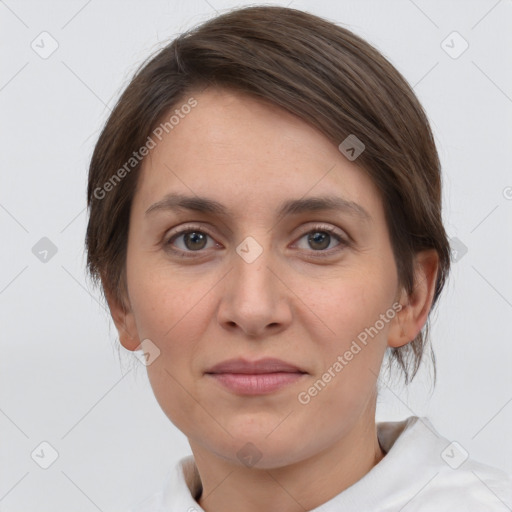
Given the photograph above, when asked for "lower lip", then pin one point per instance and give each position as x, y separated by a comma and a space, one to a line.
256, 384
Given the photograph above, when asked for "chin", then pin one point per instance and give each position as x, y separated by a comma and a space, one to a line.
256, 449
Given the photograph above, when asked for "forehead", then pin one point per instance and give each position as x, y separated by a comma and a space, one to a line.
237, 146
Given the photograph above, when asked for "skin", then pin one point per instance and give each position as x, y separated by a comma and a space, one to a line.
288, 303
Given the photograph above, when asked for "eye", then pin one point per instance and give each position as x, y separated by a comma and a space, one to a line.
188, 240
194, 239
321, 238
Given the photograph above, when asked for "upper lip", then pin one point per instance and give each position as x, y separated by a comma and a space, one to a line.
266, 365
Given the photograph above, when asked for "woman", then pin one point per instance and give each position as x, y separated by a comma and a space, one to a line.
265, 222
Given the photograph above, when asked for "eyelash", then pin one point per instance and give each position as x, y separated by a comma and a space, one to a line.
197, 229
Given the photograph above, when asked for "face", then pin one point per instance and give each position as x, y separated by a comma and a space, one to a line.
247, 279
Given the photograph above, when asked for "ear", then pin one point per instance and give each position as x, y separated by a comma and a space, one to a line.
124, 321
416, 306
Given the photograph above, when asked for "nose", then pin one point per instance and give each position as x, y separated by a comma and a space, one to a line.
255, 298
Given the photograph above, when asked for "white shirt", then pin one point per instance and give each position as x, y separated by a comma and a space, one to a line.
421, 472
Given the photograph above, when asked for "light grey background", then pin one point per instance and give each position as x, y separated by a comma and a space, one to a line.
62, 379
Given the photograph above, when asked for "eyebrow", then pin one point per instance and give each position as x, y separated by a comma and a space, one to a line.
174, 201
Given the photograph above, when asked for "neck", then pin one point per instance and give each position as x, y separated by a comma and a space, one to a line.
303, 485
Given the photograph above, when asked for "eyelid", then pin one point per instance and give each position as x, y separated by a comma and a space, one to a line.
321, 226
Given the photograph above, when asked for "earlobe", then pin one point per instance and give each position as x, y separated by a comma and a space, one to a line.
125, 323
397, 335
416, 306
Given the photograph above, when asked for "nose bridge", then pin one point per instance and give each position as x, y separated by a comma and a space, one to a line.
253, 297
252, 276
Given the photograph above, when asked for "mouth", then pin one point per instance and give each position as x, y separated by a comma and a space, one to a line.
255, 377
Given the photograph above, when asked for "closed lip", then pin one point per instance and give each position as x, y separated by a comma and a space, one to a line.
266, 365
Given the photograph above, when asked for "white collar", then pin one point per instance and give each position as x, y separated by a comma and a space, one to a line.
413, 473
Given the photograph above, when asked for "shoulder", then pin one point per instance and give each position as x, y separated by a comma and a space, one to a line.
448, 479
473, 487
423, 471
479, 489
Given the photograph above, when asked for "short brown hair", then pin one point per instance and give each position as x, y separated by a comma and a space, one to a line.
315, 69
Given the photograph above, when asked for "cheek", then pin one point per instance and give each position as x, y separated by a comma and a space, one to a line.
351, 355
348, 304
174, 315
175, 323
358, 313
165, 302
